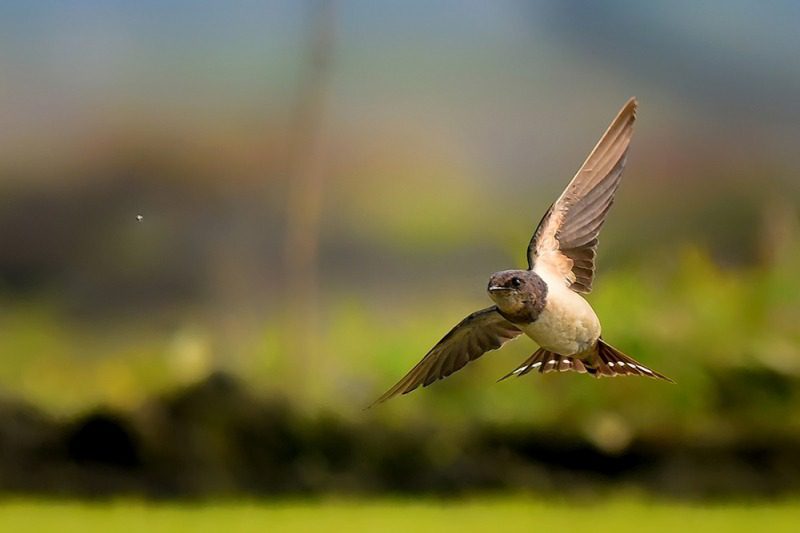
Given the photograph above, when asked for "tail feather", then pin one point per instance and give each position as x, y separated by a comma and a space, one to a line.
603, 361
545, 362
612, 362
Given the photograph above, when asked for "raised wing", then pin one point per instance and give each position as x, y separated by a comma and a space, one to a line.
565, 242
477, 334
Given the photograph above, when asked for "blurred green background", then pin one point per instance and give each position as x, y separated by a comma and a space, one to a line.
324, 188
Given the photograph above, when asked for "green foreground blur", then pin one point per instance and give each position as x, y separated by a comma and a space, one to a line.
515, 514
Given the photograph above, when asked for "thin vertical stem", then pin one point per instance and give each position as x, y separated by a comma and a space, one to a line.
307, 176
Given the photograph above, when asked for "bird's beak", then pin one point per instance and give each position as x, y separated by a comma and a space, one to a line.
498, 288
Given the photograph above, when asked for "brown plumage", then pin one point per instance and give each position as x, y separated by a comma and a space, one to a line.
477, 334
602, 361
544, 301
566, 238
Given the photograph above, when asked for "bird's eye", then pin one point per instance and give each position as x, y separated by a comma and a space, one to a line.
516, 282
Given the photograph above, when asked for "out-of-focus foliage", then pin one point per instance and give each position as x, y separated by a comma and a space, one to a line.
726, 335
425, 142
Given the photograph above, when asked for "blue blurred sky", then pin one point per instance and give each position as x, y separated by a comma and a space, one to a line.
737, 59
436, 94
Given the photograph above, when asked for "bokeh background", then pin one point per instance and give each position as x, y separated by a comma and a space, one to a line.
324, 189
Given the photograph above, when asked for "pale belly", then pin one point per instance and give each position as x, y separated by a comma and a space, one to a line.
567, 325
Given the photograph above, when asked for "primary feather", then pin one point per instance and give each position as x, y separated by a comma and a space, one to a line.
565, 242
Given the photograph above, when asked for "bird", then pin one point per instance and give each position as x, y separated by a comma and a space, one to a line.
545, 301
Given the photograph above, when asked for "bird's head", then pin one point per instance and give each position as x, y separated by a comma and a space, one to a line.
515, 291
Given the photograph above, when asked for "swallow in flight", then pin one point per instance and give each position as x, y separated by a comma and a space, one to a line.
545, 301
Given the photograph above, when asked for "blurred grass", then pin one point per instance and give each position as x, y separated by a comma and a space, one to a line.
513, 514
728, 336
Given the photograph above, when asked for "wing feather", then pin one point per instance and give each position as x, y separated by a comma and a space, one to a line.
477, 334
565, 242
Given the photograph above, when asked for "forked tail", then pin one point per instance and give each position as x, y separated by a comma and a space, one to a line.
603, 361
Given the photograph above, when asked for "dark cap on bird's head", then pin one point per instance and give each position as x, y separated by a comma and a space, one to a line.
520, 295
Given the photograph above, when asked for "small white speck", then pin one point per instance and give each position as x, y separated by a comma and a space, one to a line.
536, 365
611, 364
139, 218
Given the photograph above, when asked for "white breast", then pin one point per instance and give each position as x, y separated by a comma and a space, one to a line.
567, 325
